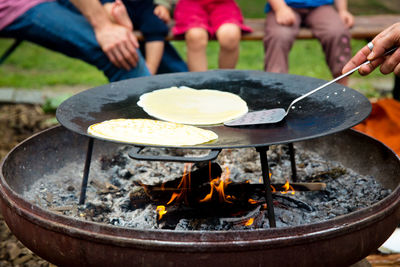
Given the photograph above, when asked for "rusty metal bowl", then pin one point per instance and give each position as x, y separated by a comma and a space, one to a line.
65, 241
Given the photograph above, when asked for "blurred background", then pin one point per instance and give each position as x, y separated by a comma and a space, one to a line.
32, 67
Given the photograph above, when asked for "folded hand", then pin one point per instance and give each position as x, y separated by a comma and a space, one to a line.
119, 44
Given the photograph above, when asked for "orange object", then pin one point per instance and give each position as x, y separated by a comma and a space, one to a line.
383, 123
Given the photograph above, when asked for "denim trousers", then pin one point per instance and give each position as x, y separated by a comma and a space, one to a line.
59, 27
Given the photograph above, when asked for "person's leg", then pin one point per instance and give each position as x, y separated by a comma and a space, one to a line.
334, 36
55, 27
154, 52
171, 61
278, 40
154, 31
196, 41
228, 36
191, 23
226, 23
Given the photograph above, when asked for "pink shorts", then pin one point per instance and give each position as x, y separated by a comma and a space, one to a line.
206, 14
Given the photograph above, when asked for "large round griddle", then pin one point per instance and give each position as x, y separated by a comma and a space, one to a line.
328, 111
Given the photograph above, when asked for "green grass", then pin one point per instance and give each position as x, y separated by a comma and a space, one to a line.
31, 66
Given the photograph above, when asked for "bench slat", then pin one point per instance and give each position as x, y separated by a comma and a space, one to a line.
365, 27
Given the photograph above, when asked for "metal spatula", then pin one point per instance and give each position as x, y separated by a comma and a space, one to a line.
277, 114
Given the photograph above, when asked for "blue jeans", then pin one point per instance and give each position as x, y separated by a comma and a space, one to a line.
60, 28
171, 61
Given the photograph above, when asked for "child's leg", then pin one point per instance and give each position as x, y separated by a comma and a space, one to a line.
278, 41
154, 31
118, 13
154, 52
196, 41
228, 36
334, 36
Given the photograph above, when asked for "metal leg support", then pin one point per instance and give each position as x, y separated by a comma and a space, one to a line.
9, 51
293, 162
86, 171
267, 185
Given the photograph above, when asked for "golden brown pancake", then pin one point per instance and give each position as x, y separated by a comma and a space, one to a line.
151, 132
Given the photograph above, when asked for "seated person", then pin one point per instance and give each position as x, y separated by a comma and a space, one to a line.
145, 18
91, 37
199, 20
329, 24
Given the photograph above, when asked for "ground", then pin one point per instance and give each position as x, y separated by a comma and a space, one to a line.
18, 122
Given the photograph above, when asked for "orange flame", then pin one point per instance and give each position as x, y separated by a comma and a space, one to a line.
273, 189
219, 184
161, 211
173, 197
252, 201
249, 222
288, 188
184, 185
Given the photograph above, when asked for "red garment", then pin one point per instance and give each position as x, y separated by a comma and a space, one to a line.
384, 123
206, 14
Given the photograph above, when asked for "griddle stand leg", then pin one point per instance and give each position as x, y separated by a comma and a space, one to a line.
293, 162
86, 171
267, 185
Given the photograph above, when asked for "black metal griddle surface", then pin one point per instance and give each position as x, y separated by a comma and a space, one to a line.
330, 110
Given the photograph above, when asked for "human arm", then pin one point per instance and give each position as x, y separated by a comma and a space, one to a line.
163, 13
163, 9
384, 41
345, 15
283, 13
118, 42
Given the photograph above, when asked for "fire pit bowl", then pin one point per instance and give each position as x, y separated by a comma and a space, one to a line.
65, 241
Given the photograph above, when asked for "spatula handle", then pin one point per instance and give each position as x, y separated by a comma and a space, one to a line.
335, 80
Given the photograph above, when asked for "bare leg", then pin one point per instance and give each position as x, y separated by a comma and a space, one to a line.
196, 41
118, 13
154, 52
228, 36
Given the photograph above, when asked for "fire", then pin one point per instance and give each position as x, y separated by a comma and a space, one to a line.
173, 197
273, 189
252, 201
249, 222
288, 188
260, 180
219, 184
161, 211
184, 185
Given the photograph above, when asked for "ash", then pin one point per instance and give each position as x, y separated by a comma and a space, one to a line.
115, 178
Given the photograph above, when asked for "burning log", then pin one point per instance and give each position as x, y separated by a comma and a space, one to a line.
236, 187
205, 188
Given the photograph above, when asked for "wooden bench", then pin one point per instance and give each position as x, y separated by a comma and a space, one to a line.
365, 28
